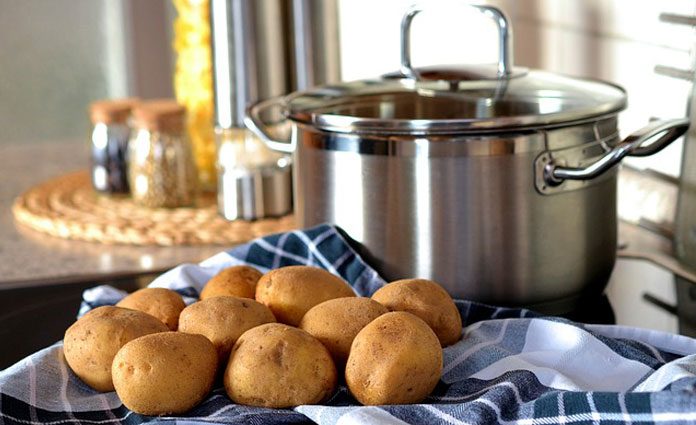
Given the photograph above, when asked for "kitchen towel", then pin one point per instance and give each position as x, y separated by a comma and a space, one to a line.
511, 365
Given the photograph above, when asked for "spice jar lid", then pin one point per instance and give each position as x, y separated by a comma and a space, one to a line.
160, 115
109, 111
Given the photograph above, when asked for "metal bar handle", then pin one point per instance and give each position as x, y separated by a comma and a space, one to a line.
504, 40
554, 174
675, 18
255, 123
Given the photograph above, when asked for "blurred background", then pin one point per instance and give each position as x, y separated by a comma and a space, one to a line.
58, 56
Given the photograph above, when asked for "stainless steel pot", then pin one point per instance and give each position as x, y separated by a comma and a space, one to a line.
497, 182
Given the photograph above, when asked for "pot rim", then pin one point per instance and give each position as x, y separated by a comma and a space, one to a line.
326, 107
417, 128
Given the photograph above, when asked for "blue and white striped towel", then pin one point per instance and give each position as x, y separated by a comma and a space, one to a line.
511, 366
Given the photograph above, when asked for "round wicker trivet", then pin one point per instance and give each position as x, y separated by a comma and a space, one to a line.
67, 207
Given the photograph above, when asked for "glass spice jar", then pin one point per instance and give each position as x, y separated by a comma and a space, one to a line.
109, 144
161, 168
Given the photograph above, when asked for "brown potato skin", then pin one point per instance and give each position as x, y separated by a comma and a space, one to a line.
162, 303
292, 291
427, 300
336, 322
276, 365
235, 281
165, 373
223, 320
396, 359
91, 343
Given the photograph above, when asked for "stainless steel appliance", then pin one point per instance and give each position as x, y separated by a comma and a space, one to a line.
499, 183
264, 48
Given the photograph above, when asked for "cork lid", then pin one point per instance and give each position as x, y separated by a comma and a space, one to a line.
160, 115
110, 111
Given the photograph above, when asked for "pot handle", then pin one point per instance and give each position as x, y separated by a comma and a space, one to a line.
255, 123
504, 40
633, 145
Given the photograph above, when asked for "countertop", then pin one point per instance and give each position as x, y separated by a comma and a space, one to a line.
29, 258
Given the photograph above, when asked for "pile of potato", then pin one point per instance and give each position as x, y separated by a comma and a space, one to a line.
284, 348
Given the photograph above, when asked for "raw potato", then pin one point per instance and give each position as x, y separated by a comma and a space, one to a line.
279, 366
235, 281
161, 303
223, 319
427, 300
336, 322
396, 359
165, 373
91, 343
291, 291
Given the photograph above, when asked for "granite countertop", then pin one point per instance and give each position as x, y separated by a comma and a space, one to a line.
29, 258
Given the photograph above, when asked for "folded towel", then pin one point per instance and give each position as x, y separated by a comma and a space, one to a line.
511, 366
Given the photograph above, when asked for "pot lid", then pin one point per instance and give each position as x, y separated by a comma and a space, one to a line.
465, 99
433, 104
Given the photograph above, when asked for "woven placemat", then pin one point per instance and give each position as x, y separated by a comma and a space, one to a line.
68, 207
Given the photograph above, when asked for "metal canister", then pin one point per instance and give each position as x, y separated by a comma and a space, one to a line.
253, 181
261, 49
161, 168
109, 144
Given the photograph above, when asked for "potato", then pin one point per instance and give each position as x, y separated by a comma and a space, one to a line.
275, 365
165, 373
291, 291
396, 359
427, 300
91, 343
162, 303
235, 281
223, 319
336, 322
